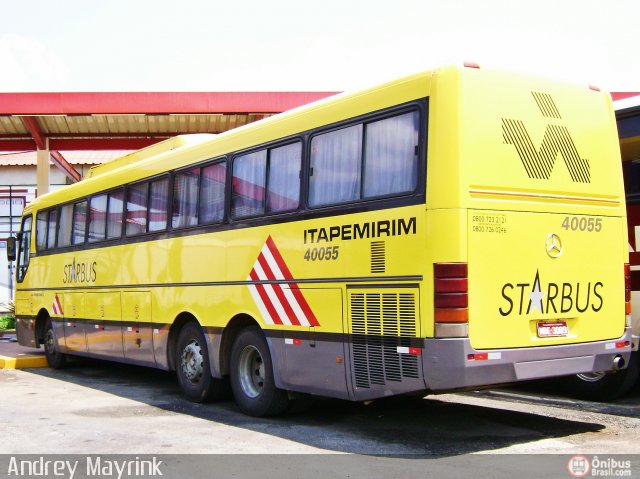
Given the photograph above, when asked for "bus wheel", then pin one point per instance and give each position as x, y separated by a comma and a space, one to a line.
252, 380
55, 359
606, 387
192, 366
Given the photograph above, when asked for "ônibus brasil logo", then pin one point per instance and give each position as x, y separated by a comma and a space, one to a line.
545, 298
539, 162
579, 466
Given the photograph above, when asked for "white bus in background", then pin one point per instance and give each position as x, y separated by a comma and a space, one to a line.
607, 386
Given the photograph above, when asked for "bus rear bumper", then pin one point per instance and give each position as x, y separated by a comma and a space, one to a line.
453, 363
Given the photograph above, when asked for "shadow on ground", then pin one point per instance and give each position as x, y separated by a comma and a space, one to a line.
395, 427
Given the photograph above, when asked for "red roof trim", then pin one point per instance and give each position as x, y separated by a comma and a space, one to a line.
153, 103
622, 95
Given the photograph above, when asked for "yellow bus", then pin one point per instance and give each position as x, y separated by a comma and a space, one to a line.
454, 229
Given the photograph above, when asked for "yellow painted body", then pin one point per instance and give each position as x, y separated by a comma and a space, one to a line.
476, 182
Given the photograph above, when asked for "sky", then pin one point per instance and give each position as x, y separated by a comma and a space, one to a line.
297, 45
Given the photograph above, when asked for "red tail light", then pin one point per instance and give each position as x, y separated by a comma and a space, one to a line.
627, 288
451, 293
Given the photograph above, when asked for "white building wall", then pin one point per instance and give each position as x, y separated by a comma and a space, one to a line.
19, 182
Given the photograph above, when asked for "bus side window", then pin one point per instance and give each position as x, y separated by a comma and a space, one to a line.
391, 159
52, 228
185, 198
64, 228
336, 166
23, 252
249, 175
41, 231
212, 193
158, 205
79, 222
114, 214
284, 178
137, 209
97, 218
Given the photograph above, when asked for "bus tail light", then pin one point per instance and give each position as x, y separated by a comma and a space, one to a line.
627, 288
451, 293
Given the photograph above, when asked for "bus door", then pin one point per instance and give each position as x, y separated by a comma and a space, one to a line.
137, 328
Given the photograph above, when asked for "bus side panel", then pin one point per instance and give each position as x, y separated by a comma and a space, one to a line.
313, 361
74, 322
104, 335
137, 329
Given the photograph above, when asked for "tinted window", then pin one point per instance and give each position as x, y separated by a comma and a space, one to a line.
158, 203
51, 230
391, 156
212, 193
185, 198
79, 222
64, 228
41, 230
114, 214
97, 218
137, 209
335, 166
284, 178
249, 174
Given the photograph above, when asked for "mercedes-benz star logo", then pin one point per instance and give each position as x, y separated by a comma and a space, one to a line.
553, 245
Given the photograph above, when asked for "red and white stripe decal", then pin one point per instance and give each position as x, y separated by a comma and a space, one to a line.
278, 303
57, 306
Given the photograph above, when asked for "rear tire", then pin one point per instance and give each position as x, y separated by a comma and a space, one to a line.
252, 382
55, 359
606, 387
192, 366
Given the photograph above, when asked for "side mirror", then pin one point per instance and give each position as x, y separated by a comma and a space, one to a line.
11, 249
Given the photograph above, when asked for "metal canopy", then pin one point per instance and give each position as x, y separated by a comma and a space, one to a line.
125, 121
54, 122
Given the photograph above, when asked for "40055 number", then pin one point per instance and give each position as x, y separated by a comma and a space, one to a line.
328, 253
582, 223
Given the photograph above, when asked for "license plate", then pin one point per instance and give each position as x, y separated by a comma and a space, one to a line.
549, 330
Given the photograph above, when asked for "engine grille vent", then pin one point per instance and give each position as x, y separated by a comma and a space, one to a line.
380, 323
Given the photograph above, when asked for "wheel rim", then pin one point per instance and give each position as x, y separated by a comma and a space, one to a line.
192, 361
251, 371
591, 377
49, 343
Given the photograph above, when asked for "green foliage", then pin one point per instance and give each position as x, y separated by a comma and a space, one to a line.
7, 315
7, 322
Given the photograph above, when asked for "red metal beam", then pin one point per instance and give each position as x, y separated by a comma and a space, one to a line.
82, 144
65, 166
102, 143
33, 126
17, 145
123, 103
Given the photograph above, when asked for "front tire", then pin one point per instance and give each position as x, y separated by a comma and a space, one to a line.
192, 366
252, 382
55, 359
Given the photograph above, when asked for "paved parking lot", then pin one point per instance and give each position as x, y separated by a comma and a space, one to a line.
97, 407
